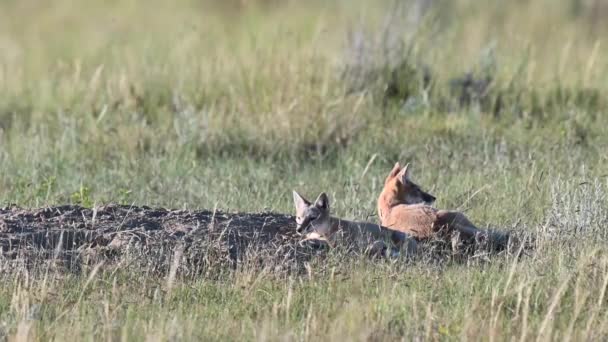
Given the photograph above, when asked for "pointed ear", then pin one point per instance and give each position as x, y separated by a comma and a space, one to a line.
404, 174
300, 202
395, 170
322, 201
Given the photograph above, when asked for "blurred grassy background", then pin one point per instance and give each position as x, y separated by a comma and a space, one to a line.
169, 104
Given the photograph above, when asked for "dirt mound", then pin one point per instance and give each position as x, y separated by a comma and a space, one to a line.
74, 236
143, 239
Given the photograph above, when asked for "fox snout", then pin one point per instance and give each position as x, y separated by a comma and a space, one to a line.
303, 227
428, 198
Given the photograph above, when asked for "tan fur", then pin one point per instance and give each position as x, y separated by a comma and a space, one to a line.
332, 230
399, 189
421, 221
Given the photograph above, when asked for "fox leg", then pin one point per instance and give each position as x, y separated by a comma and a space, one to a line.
459, 222
316, 241
315, 244
454, 220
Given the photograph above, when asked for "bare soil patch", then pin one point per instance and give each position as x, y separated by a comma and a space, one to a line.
71, 236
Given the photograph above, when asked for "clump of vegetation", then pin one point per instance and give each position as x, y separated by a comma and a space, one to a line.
386, 61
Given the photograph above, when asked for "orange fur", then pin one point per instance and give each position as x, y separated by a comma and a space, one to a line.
399, 189
419, 220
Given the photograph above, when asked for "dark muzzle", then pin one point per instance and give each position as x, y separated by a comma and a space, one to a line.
428, 198
304, 227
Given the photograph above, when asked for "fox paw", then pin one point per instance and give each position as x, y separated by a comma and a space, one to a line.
314, 244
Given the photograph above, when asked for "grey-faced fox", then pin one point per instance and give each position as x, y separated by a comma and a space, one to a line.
317, 225
401, 207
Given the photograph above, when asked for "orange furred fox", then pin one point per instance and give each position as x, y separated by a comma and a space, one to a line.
317, 225
399, 209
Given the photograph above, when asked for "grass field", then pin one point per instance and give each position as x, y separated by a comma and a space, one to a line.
500, 107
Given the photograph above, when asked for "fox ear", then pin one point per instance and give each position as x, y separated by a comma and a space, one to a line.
404, 174
322, 201
395, 170
300, 202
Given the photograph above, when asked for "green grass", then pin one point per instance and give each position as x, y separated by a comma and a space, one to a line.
202, 105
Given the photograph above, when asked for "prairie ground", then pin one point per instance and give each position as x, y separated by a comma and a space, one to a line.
209, 107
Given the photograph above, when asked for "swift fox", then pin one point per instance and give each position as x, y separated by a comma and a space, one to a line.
407, 192
400, 208
315, 223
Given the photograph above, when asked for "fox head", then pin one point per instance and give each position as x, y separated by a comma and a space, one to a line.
399, 189
311, 216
